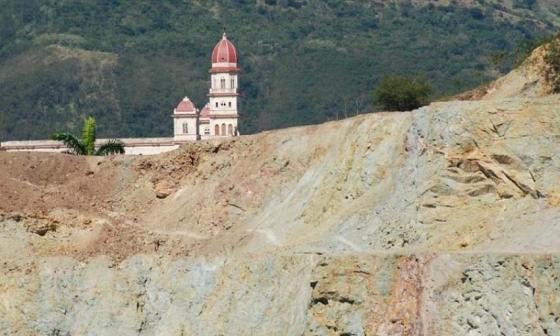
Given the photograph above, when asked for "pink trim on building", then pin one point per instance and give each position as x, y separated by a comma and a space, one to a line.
223, 69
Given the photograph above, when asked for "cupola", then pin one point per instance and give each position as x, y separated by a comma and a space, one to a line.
224, 56
185, 106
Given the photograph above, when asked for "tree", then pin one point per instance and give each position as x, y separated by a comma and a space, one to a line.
397, 93
86, 146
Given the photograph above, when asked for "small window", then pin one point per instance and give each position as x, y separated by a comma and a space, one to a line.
216, 104
207, 131
229, 104
185, 128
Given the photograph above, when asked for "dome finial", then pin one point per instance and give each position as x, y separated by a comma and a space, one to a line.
224, 36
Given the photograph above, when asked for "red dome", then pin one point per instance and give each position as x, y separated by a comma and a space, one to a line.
185, 106
224, 52
205, 113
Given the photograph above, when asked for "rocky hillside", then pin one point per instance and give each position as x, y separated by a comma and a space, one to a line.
535, 77
440, 221
129, 63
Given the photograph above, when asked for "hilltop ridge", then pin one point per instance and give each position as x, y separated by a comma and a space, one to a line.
534, 77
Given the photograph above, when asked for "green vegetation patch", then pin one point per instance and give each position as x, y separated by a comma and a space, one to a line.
552, 59
397, 93
128, 63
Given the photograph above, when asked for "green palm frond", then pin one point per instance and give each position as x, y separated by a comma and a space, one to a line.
89, 135
86, 146
74, 145
111, 147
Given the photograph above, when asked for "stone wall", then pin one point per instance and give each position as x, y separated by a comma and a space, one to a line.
133, 146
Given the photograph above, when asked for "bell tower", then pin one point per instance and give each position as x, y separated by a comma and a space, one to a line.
223, 94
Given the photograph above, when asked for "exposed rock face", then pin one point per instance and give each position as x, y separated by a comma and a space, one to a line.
441, 221
284, 295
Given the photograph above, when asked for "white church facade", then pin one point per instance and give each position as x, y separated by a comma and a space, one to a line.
217, 119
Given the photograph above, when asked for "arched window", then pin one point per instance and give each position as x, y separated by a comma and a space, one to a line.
223, 129
185, 128
223, 83
217, 130
230, 129
229, 104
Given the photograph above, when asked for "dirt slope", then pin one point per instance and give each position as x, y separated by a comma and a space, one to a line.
440, 221
430, 180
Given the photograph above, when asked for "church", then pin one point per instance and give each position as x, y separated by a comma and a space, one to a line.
217, 119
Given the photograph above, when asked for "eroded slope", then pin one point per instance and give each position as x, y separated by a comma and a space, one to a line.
441, 221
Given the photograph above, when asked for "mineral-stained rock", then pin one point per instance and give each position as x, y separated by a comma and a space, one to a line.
448, 294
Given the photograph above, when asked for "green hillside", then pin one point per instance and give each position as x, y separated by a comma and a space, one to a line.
129, 63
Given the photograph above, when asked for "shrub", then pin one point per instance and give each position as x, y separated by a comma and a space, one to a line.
397, 93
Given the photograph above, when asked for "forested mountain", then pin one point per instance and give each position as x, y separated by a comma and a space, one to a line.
129, 63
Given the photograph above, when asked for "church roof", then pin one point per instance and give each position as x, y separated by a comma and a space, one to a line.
224, 52
205, 113
185, 106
